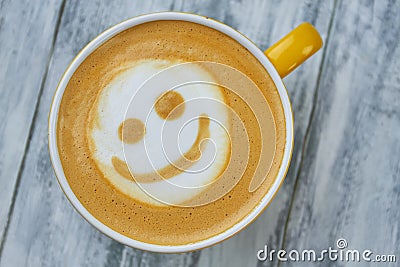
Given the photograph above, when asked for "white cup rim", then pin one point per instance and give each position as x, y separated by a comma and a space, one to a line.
106, 35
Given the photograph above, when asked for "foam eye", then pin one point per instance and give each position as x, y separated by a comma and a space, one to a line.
133, 129
170, 105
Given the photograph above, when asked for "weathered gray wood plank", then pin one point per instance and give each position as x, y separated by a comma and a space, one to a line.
26, 32
46, 231
266, 22
349, 184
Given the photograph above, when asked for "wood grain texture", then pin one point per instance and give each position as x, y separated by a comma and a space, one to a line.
349, 184
45, 230
24, 57
265, 22
56, 226
346, 99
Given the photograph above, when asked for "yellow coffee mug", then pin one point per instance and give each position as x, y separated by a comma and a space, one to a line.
293, 49
279, 60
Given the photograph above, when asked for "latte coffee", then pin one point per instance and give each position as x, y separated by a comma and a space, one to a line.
170, 132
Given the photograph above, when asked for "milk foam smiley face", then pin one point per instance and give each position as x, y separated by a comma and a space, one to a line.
162, 134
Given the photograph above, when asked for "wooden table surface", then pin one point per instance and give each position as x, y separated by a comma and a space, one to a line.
344, 179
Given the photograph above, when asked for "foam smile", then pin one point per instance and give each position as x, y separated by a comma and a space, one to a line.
171, 170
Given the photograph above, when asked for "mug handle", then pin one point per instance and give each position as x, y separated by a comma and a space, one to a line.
295, 48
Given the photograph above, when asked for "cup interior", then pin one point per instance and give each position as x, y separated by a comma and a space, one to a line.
88, 49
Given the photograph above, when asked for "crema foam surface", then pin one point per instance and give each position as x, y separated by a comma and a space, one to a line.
170, 132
